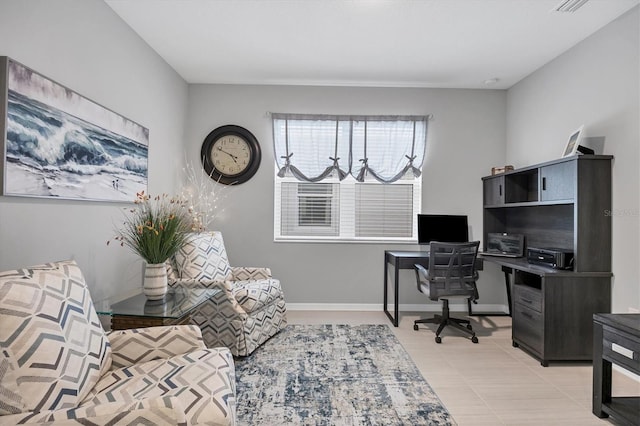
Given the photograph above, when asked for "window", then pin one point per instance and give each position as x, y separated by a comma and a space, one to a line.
348, 178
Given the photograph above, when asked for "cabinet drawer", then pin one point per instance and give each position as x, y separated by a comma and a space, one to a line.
621, 349
529, 297
527, 327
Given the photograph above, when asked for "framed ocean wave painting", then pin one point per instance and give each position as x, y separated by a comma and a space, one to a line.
59, 144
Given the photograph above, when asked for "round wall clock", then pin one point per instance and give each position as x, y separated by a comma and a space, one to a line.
230, 155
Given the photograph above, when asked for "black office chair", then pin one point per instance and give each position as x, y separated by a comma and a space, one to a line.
452, 273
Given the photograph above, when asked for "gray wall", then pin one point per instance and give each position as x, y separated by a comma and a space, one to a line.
595, 84
85, 46
466, 138
82, 44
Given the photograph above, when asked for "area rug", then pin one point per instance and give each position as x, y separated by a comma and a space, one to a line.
334, 375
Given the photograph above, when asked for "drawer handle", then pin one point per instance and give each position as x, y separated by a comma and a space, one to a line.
622, 350
527, 315
527, 301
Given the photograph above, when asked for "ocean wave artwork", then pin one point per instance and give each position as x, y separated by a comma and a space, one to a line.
60, 144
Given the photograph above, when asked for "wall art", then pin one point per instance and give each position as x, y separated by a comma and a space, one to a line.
56, 143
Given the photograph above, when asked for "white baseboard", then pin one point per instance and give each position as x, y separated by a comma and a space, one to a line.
402, 307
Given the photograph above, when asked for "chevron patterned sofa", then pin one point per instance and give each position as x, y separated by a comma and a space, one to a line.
250, 306
58, 366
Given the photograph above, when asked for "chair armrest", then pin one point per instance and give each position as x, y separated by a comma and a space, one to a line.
242, 273
224, 301
165, 410
146, 344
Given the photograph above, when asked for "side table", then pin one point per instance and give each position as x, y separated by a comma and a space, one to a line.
616, 340
174, 309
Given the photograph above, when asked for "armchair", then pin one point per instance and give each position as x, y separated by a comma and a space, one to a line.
58, 366
452, 273
249, 309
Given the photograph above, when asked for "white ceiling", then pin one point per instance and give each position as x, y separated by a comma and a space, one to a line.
387, 43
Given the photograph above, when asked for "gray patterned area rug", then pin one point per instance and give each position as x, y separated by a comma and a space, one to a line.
334, 375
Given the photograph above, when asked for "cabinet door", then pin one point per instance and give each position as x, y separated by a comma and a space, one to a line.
494, 191
558, 181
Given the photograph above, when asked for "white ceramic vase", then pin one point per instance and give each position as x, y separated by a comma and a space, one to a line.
155, 281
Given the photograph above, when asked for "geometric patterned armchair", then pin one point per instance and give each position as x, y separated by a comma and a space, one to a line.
58, 366
248, 309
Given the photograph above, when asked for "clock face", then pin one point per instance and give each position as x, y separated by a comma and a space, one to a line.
230, 154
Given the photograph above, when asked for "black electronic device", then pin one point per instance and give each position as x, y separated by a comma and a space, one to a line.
503, 244
553, 257
442, 228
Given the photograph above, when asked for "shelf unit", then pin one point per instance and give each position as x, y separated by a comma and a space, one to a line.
563, 204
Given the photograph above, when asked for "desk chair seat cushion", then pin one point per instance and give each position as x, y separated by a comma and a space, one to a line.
435, 290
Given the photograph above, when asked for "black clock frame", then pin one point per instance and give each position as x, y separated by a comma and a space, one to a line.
255, 155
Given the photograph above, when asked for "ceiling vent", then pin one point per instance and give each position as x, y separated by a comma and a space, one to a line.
569, 5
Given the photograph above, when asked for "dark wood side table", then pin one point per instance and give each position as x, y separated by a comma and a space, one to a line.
616, 340
174, 309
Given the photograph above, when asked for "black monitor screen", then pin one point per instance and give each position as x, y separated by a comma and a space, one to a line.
443, 228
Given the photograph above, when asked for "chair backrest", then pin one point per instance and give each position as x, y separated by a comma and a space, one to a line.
452, 270
53, 349
203, 258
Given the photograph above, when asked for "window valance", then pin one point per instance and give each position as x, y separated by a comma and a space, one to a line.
314, 147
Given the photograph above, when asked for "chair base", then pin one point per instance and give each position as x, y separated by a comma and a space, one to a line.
444, 320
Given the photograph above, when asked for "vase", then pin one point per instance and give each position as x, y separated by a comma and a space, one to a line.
155, 281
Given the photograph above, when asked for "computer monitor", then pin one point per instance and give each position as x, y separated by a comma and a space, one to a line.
442, 228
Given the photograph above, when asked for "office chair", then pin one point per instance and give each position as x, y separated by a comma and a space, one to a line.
452, 273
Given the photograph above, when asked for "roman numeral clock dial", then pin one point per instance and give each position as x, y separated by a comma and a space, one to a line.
230, 155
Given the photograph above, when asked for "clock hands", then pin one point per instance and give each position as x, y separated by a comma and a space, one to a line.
233, 157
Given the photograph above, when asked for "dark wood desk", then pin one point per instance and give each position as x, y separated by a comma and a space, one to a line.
616, 340
553, 308
403, 260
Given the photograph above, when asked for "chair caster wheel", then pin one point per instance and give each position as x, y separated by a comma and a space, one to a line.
469, 327
415, 327
438, 339
474, 339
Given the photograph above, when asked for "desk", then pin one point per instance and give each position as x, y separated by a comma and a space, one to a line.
616, 340
404, 260
552, 309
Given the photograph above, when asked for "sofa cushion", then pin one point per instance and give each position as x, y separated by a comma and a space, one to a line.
203, 382
203, 258
254, 295
53, 348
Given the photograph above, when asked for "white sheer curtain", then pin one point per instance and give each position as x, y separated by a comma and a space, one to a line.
314, 147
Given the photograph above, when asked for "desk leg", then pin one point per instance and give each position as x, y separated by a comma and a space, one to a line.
396, 294
507, 280
601, 374
394, 320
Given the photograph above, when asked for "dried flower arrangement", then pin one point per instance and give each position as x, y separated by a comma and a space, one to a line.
155, 228
204, 200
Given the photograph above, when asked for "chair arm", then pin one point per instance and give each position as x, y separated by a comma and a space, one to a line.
225, 302
243, 273
137, 345
165, 410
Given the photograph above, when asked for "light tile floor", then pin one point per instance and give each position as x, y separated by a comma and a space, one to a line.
489, 383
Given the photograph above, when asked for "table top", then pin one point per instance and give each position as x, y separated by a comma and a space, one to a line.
627, 322
177, 302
